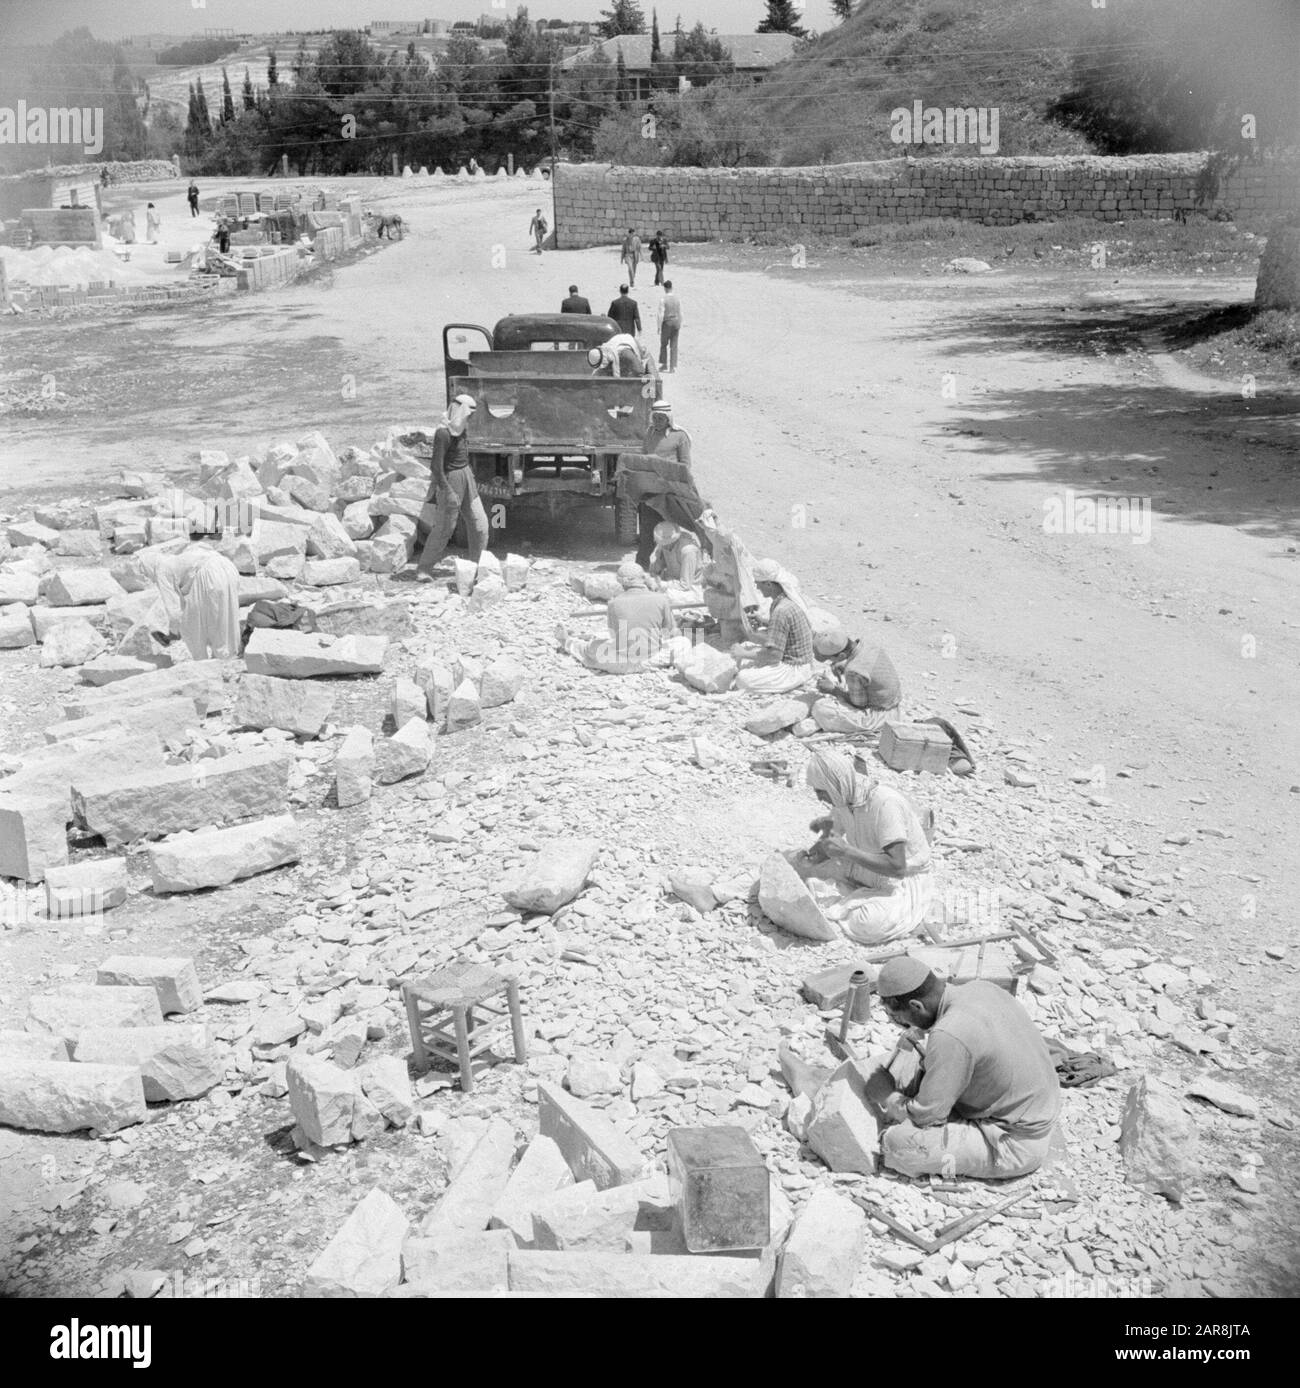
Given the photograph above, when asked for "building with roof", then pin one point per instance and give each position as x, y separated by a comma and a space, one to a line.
754, 55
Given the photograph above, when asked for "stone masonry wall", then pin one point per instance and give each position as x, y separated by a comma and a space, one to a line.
595, 203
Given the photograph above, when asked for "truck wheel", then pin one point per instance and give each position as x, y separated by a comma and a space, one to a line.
625, 521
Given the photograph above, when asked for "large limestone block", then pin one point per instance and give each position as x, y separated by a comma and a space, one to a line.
464, 707
581, 1218
112, 667
825, 1248
203, 681
707, 670
364, 1259
189, 862
542, 1170
1157, 1141
354, 767
842, 1130
294, 705
594, 1149
775, 717
626, 1275
85, 889
52, 1096
19, 587
299, 655
173, 977
157, 802
322, 1097
329, 573
556, 874
275, 540
329, 539
167, 718
786, 901
472, 1265
32, 1045
407, 753
47, 619
385, 1082
467, 1203
81, 587
71, 643
175, 1062
67, 1011
502, 681
16, 626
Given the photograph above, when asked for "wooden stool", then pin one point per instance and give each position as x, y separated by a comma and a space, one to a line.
441, 1006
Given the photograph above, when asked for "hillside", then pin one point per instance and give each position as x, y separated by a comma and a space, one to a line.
832, 100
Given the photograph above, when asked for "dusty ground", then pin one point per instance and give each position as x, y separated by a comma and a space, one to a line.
893, 435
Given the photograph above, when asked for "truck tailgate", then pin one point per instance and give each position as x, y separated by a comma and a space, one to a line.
596, 414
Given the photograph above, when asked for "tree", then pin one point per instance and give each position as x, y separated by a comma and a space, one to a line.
201, 107
842, 9
701, 57
227, 98
622, 85
782, 18
626, 17
656, 53
272, 71
250, 96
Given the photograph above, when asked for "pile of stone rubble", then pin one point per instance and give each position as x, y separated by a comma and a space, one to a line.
433, 781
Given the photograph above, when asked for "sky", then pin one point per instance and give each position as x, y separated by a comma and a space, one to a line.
39, 21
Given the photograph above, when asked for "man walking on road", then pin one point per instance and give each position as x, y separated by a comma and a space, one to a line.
659, 255
575, 303
670, 325
192, 194
538, 229
625, 312
630, 255
453, 490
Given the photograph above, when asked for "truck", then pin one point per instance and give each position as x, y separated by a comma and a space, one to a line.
547, 432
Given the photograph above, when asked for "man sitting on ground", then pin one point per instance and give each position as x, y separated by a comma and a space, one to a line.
784, 660
988, 1097
677, 559
861, 676
640, 624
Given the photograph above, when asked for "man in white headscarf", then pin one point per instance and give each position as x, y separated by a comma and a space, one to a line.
452, 490
783, 662
640, 625
198, 590
874, 850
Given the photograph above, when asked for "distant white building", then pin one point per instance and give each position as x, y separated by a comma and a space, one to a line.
382, 28
753, 55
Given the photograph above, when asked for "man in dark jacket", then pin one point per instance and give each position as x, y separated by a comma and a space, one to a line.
575, 303
625, 312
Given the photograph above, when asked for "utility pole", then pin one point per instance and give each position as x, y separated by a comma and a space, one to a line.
552, 106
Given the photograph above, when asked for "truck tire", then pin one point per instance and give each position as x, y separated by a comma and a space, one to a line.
626, 530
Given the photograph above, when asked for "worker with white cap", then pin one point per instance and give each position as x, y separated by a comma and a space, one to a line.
783, 661
988, 1097
453, 491
641, 624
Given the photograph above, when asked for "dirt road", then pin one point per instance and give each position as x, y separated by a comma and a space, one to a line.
898, 442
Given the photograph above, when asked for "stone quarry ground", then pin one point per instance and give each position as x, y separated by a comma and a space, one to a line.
892, 433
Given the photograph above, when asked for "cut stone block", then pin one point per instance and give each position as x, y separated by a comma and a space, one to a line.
515, 572
468, 1202
67, 1011
16, 626
322, 1098
358, 523
1157, 1141
474, 1265
327, 573
298, 707
502, 680
624, 1275
385, 1082
305, 493
556, 874
32, 1045
786, 902
71, 643
594, 1149
189, 862
169, 719
112, 667
328, 539
389, 553
824, 1251
203, 681
46, 620
175, 1062
408, 702
300, 655
52, 1096
362, 616
174, 979
30, 532
582, 1218
843, 1131
542, 1170
464, 707
261, 589
86, 889
157, 802
707, 670
406, 753
364, 1259
353, 767
19, 587
774, 717
79, 544
81, 587
275, 540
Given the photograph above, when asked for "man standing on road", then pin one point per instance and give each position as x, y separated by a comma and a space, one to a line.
453, 490
192, 193
575, 303
538, 229
626, 312
659, 255
670, 325
630, 255
663, 440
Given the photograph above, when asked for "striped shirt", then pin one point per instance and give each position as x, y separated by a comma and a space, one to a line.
790, 632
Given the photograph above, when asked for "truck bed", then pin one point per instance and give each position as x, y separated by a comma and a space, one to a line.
592, 414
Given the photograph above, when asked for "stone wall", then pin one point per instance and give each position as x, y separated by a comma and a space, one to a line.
68, 226
595, 203
1278, 285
